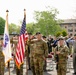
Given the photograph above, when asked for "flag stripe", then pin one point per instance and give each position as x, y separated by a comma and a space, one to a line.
21, 49
23, 45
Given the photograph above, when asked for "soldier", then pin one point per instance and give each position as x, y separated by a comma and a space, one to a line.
40, 52
29, 51
15, 41
72, 41
2, 64
50, 42
62, 52
28, 56
45, 63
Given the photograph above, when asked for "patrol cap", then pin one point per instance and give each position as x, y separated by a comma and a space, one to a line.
38, 33
61, 38
1, 38
44, 36
29, 33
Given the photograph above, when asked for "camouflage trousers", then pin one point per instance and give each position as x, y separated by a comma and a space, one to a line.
32, 65
2, 65
36, 64
19, 71
62, 68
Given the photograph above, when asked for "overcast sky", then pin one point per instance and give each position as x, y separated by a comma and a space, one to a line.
66, 8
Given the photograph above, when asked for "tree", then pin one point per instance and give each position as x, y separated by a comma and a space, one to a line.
58, 34
30, 27
61, 33
46, 21
14, 29
64, 33
18, 29
2, 25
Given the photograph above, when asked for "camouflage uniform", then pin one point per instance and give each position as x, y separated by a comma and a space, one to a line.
38, 50
62, 62
30, 45
2, 64
14, 45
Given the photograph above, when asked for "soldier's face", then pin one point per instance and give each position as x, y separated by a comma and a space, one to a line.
61, 42
75, 37
44, 39
30, 36
0, 42
39, 36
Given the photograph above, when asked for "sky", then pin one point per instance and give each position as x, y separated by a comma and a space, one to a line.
66, 8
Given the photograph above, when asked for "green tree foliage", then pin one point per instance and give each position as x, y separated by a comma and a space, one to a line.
2, 25
58, 34
14, 29
18, 29
61, 33
64, 33
30, 27
46, 21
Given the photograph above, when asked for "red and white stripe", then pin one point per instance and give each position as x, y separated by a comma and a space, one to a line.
20, 51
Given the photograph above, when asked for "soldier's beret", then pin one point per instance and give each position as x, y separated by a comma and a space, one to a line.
61, 38
38, 33
44, 36
1, 38
29, 33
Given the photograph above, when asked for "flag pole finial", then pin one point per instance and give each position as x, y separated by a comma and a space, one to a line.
7, 11
24, 9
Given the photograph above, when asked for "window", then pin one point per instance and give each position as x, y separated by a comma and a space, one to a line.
70, 30
70, 25
65, 26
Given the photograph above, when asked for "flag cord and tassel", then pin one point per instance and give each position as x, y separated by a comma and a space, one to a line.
26, 56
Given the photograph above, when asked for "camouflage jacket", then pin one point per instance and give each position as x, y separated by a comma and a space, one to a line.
1, 54
63, 53
38, 47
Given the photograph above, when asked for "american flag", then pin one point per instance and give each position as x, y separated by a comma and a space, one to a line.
20, 50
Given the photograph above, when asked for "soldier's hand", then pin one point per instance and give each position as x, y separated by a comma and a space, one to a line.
58, 52
44, 58
31, 37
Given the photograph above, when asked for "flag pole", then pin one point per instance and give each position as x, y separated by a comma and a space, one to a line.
7, 26
25, 14
26, 56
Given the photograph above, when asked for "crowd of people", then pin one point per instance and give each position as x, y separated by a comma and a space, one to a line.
37, 49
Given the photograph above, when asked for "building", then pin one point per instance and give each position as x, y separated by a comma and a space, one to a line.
69, 25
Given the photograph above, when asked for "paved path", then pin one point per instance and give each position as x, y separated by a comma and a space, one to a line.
51, 72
